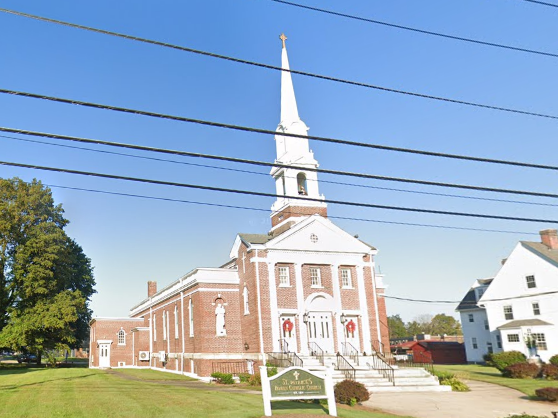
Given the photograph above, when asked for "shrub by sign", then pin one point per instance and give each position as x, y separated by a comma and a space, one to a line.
297, 383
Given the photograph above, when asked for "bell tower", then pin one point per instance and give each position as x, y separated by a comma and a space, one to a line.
293, 183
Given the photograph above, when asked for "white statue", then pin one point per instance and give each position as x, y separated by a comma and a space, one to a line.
220, 320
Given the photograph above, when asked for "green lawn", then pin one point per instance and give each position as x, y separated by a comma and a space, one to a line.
77, 392
492, 375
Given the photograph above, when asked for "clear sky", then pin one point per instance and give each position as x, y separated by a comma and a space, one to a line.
133, 240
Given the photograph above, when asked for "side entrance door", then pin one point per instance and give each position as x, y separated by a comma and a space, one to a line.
320, 330
104, 355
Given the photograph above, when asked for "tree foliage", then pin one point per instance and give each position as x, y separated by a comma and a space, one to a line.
397, 327
46, 280
439, 324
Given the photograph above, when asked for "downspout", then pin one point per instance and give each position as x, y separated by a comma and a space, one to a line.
373, 271
150, 336
182, 329
133, 348
260, 325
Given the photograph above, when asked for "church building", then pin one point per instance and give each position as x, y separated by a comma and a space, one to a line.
305, 286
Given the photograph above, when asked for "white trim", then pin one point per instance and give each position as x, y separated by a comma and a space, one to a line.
275, 332
303, 328
259, 294
373, 273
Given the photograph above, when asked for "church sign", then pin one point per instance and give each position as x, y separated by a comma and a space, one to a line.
297, 383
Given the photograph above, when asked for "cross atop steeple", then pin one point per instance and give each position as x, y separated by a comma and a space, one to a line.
283, 38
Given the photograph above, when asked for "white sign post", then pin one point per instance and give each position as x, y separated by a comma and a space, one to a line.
297, 383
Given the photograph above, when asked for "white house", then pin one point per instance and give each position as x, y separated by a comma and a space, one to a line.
519, 306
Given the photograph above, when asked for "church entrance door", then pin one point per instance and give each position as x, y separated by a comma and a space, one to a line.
104, 354
320, 330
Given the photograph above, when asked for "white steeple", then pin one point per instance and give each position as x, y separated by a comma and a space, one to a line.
296, 153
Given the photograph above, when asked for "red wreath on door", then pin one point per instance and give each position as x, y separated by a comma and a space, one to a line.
287, 327
351, 327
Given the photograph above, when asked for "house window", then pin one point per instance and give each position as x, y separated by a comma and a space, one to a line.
530, 282
121, 337
498, 341
486, 324
346, 280
246, 305
489, 348
536, 308
471, 318
508, 312
154, 327
284, 276
480, 292
513, 338
175, 322
315, 277
165, 325
474, 341
191, 316
540, 340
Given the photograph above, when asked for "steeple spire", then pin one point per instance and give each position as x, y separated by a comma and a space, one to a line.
293, 181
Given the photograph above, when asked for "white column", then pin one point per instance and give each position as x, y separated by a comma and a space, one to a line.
275, 334
337, 305
259, 294
300, 306
367, 345
182, 330
373, 273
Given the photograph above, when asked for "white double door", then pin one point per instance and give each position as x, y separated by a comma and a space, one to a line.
320, 330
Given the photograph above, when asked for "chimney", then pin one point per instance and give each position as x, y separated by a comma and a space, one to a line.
151, 289
549, 237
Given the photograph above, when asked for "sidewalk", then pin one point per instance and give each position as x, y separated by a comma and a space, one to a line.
485, 400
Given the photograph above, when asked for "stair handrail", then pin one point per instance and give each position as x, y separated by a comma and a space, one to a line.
284, 345
296, 360
316, 351
347, 368
279, 359
381, 364
350, 351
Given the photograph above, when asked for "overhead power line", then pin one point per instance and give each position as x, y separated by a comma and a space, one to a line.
266, 164
542, 3
273, 67
193, 202
269, 132
258, 172
552, 292
263, 194
423, 31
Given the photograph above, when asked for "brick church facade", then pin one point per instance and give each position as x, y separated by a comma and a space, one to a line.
304, 286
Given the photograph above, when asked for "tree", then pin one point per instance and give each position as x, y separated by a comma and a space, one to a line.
396, 327
46, 280
443, 324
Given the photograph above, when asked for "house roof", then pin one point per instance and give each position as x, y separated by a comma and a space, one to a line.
468, 302
255, 238
542, 251
518, 323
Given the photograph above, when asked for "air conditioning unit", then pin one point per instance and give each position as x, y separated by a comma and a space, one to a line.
144, 355
162, 356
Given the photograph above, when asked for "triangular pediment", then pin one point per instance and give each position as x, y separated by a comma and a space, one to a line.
318, 234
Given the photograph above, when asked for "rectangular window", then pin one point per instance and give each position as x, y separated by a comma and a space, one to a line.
480, 292
486, 324
536, 308
530, 282
474, 341
315, 277
499, 341
154, 327
246, 304
346, 280
508, 312
284, 279
471, 318
513, 338
175, 322
540, 341
489, 348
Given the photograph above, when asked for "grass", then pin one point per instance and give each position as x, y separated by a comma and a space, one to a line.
492, 375
87, 393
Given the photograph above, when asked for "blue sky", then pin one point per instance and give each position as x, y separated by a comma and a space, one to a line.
133, 240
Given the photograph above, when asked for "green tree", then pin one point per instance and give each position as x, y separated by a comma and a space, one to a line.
443, 324
46, 280
396, 327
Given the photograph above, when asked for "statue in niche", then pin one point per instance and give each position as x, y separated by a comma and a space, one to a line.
220, 320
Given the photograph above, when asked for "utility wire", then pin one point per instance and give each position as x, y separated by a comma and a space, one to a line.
263, 194
543, 3
295, 213
269, 132
470, 302
273, 67
267, 174
423, 31
266, 164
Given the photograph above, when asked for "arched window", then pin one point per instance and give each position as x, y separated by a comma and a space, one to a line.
301, 184
246, 304
121, 337
191, 316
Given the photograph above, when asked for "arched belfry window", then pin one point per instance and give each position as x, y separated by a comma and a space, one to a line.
301, 184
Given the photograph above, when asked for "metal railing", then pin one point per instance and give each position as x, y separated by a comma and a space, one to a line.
418, 360
346, 367
296, 360
317, 352
350, 351
281, 359
377, 346
230, 367
382, 366
284, 345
